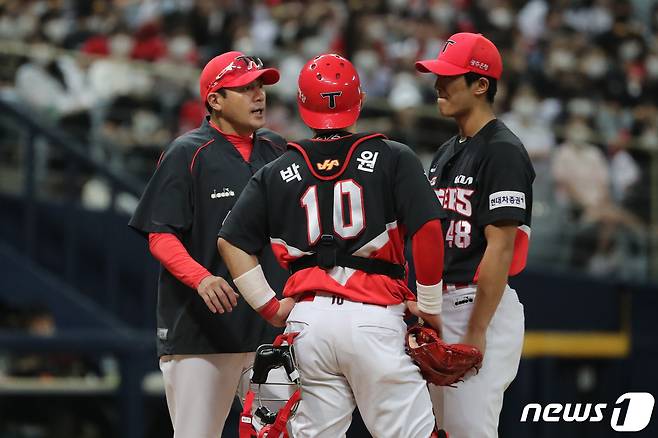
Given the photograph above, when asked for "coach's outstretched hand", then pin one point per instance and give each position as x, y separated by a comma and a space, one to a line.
279, 318
218, 295
432, 320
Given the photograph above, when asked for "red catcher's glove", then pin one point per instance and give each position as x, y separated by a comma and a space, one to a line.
440, 363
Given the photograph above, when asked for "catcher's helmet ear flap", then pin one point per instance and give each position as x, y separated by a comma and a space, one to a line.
329, 93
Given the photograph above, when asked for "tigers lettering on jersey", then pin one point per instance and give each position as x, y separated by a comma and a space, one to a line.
456, 199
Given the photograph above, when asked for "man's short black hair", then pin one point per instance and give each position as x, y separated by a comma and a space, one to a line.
222, 92
471, 77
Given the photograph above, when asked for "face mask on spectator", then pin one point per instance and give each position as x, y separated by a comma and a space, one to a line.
366, 61
649, 139
180, 46
443, 12
41, 54
580, 107
525, 106
577, 134
562, 60
501, 17
652, 67
376, 31
629, 50
56, 30
595, 67
121, 45
23, 26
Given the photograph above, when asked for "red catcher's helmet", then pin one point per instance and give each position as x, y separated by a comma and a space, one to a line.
329, 94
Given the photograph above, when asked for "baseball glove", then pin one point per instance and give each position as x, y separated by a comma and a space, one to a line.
440, 363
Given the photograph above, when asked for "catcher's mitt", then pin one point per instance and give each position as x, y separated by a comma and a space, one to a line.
440, 363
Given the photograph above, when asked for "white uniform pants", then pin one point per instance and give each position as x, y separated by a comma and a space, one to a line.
200, 390
351, 354
472, 409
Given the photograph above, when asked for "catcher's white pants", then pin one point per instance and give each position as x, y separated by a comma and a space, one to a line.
471, 410
200, 390
353, 354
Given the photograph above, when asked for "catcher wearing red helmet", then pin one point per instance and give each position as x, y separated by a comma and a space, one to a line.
351, 201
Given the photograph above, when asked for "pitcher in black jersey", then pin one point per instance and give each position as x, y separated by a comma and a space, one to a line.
483, 179
336, 210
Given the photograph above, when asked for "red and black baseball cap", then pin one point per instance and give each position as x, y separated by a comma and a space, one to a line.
462, 53
233, 69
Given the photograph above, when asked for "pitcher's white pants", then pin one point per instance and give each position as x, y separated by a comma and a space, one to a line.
352, 354
200, 390
471, 410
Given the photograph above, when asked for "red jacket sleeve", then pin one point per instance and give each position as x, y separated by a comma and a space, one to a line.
169, 251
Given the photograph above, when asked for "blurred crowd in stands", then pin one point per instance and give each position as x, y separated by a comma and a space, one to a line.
40, 418
580, 88
35, 319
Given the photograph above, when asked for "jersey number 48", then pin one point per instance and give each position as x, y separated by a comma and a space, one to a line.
459, 234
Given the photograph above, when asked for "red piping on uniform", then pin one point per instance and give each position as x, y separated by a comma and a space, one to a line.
197, 153
345, 163
160, 159
276, 146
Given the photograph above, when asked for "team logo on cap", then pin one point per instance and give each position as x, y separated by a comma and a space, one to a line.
332, 97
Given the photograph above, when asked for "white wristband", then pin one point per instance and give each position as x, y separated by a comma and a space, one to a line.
430, 298
254, 287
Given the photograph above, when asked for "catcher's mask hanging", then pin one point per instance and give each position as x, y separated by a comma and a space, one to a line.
264, 422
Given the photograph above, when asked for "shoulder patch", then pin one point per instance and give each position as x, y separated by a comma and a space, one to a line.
507, 198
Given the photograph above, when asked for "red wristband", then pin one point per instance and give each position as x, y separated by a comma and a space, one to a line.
270, 309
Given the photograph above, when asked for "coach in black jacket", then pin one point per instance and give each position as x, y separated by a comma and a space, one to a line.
205, 339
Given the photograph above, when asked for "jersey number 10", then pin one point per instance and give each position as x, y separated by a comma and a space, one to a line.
347, 190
